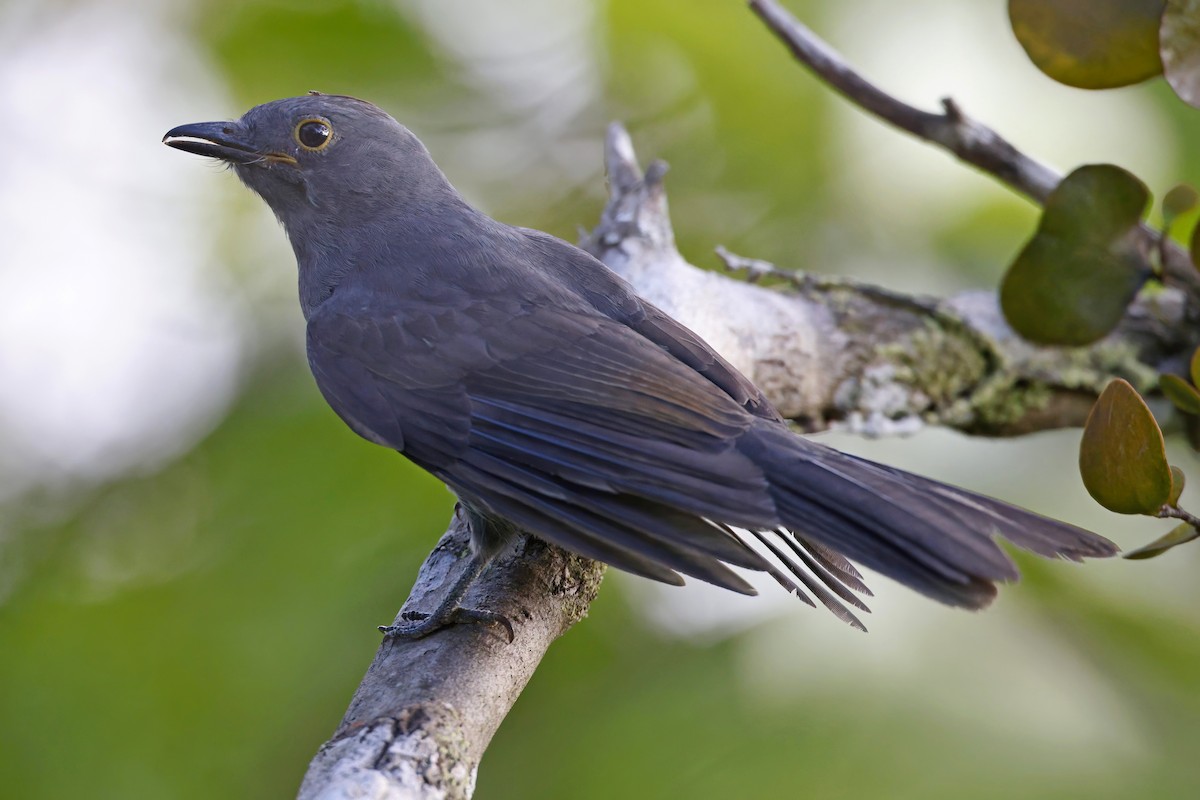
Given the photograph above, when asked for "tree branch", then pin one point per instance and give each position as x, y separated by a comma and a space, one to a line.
952, 130
834, 351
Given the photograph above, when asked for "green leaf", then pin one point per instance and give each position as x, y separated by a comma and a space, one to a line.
1181, 393
1178, 535
1195, 367
1091, 44
1180, 45
1178, 481
1072, 282
1177, 202
1121, 456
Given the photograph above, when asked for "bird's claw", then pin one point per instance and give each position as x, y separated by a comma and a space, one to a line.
421, 624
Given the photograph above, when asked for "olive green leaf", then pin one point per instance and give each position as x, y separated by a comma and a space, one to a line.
1181, 533
1072, 282
1195, 367
1178, 481
1181, 393
1091, 44
1177, 202
1180, 45
1122, 457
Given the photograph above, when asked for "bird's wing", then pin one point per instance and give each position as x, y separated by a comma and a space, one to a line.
615, 297
563, 421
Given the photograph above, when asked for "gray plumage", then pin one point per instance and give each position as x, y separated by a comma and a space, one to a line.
551, 398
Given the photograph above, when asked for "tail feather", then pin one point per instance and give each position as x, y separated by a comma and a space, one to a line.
833, 562
811, 511
836, 583
820, 592
596, 531
934, 538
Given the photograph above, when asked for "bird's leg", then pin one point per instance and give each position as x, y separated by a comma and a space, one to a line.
417, 624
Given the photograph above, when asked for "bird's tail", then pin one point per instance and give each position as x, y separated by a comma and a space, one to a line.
934, 538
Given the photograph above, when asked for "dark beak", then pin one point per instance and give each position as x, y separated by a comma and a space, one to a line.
219, 140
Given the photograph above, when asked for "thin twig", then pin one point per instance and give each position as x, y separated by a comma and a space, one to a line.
967, 139
1175, 512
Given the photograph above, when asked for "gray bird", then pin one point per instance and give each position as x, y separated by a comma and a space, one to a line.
552, 399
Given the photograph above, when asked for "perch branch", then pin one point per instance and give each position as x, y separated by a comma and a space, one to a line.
838, 352
423, 715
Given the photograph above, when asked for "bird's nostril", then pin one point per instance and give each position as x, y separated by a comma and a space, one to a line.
228, 129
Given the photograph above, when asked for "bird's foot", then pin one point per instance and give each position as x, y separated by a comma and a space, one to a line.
418, 624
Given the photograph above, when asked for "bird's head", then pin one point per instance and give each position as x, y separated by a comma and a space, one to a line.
320, 158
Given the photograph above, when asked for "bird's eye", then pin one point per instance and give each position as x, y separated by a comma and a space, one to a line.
313, 134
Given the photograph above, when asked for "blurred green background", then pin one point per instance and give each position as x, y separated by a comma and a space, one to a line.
194, 551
